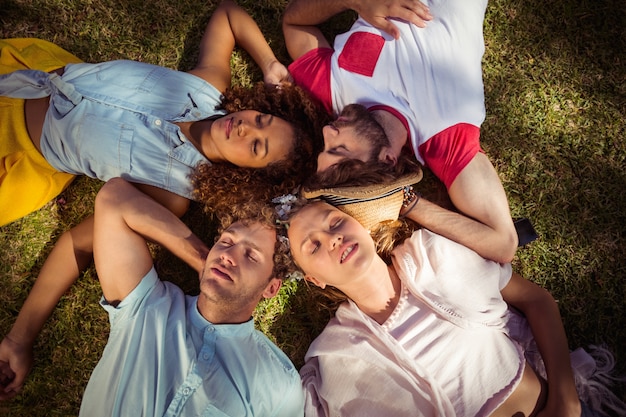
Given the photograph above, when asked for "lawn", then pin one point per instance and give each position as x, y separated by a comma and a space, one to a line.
555, 82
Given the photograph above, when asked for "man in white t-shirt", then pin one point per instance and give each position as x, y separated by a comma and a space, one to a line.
420, 79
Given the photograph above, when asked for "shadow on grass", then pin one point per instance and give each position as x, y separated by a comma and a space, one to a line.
302, 321
556, 102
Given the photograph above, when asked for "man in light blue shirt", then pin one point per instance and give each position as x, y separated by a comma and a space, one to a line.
169, 354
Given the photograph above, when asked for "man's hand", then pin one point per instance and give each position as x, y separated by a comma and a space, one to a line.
379, 12
15, 363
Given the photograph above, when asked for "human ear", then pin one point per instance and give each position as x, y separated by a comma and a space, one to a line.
315, 281
272, 288
388, 156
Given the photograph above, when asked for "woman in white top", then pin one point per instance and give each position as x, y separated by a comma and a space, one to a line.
431, 333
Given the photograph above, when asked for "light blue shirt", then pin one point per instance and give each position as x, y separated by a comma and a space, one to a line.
116, 119
164, 359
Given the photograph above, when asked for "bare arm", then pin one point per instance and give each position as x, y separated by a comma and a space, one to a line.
302, 16
173, 202
124, 219
299, 24
230, 25
545, 322
72, 253
485, 225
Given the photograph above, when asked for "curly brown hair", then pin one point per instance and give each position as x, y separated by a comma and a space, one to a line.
221, 188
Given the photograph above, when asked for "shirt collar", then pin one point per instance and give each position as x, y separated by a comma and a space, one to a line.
200, 323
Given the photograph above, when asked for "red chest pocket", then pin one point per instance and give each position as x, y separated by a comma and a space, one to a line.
360, 53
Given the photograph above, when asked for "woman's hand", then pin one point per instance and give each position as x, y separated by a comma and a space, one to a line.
276, 73
16, 361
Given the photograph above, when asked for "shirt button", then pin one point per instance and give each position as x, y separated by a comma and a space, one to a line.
205, 356
186, 391
158, 122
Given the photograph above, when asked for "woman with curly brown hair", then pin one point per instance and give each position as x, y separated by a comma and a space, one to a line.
145, 123
150, 125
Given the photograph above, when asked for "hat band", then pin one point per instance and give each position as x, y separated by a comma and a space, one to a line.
336, 200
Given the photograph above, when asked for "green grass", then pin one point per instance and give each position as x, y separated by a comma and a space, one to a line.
555, 83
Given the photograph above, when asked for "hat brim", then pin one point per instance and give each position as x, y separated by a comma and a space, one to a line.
366, 192
370, 205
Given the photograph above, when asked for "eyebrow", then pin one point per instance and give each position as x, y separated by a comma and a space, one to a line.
334, 150
235, 233
307, 238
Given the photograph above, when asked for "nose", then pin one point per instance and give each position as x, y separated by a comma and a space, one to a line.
323, 162
241, 128
331, 137
334, 240
245, 128
329, 133
227, 257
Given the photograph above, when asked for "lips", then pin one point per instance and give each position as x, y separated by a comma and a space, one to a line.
229, 127
220, 272
347, 253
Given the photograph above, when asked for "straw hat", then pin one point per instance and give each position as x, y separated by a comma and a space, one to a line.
370, 204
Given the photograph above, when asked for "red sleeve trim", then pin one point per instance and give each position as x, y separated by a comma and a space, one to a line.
449, 151
312, 72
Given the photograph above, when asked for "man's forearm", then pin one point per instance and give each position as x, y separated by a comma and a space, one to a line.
158, 224
314, 12
459, 228
153, 222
